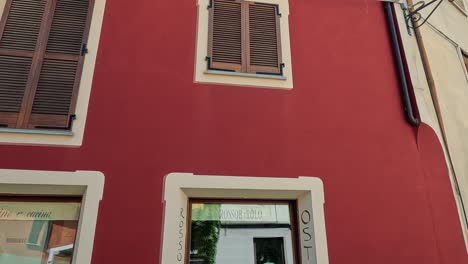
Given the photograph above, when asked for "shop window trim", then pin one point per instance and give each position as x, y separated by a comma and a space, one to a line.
264, 77
179, 188
87, 184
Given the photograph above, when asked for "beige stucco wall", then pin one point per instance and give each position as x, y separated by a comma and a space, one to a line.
444, 35
452, 89
2, 6
452, 22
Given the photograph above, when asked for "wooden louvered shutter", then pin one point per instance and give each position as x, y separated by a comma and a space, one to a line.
264, 39
225, 51
244, 36
41, 60
19, 30
55, 95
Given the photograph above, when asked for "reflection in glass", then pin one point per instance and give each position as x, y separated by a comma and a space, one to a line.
269, 250
225, 233
37, 233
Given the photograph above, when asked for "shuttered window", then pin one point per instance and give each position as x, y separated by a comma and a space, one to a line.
42, 49
244, 36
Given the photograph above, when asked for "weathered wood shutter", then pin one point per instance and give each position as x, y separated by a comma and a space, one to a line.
19, 31
264, 40
57, 88
226, 33
244, 36
49, 96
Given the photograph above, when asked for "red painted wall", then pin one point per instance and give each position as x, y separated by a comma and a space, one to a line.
388, 195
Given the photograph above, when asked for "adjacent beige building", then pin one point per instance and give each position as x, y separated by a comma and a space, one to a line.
442, 102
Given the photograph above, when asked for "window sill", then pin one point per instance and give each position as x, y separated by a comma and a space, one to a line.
250, 75
36, 132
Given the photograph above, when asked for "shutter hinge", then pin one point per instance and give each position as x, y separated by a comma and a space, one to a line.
278, 10
208, 60
84, 49
281, 66
71, 118
275, 5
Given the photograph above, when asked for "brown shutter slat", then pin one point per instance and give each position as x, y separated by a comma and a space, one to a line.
13, 78
264, 39
60, 75
20, 29
55, 87
14, 72
225, 49
68, 27
22, 25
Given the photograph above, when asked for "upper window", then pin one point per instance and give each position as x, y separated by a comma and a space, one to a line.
245, 37
48, 51
244, 42
42, 46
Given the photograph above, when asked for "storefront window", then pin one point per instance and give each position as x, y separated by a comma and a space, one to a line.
242, 232
38, 232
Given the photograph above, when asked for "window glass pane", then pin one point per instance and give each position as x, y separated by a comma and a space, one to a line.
225, 233
37, 232
269, 250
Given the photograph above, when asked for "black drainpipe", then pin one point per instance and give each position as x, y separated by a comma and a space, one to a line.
408, 107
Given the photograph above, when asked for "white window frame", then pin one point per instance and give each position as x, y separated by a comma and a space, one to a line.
75, 136
307, 191
203, 75
88, 184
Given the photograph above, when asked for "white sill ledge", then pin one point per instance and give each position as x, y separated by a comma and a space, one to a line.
37, 132
251, 75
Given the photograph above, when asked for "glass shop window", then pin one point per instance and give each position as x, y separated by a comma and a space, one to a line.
38, 231
233, 232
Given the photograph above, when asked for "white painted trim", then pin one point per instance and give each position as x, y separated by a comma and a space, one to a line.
307, 191
202, 75
84, 92
88, 184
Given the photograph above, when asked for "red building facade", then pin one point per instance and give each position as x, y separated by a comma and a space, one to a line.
388, 197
